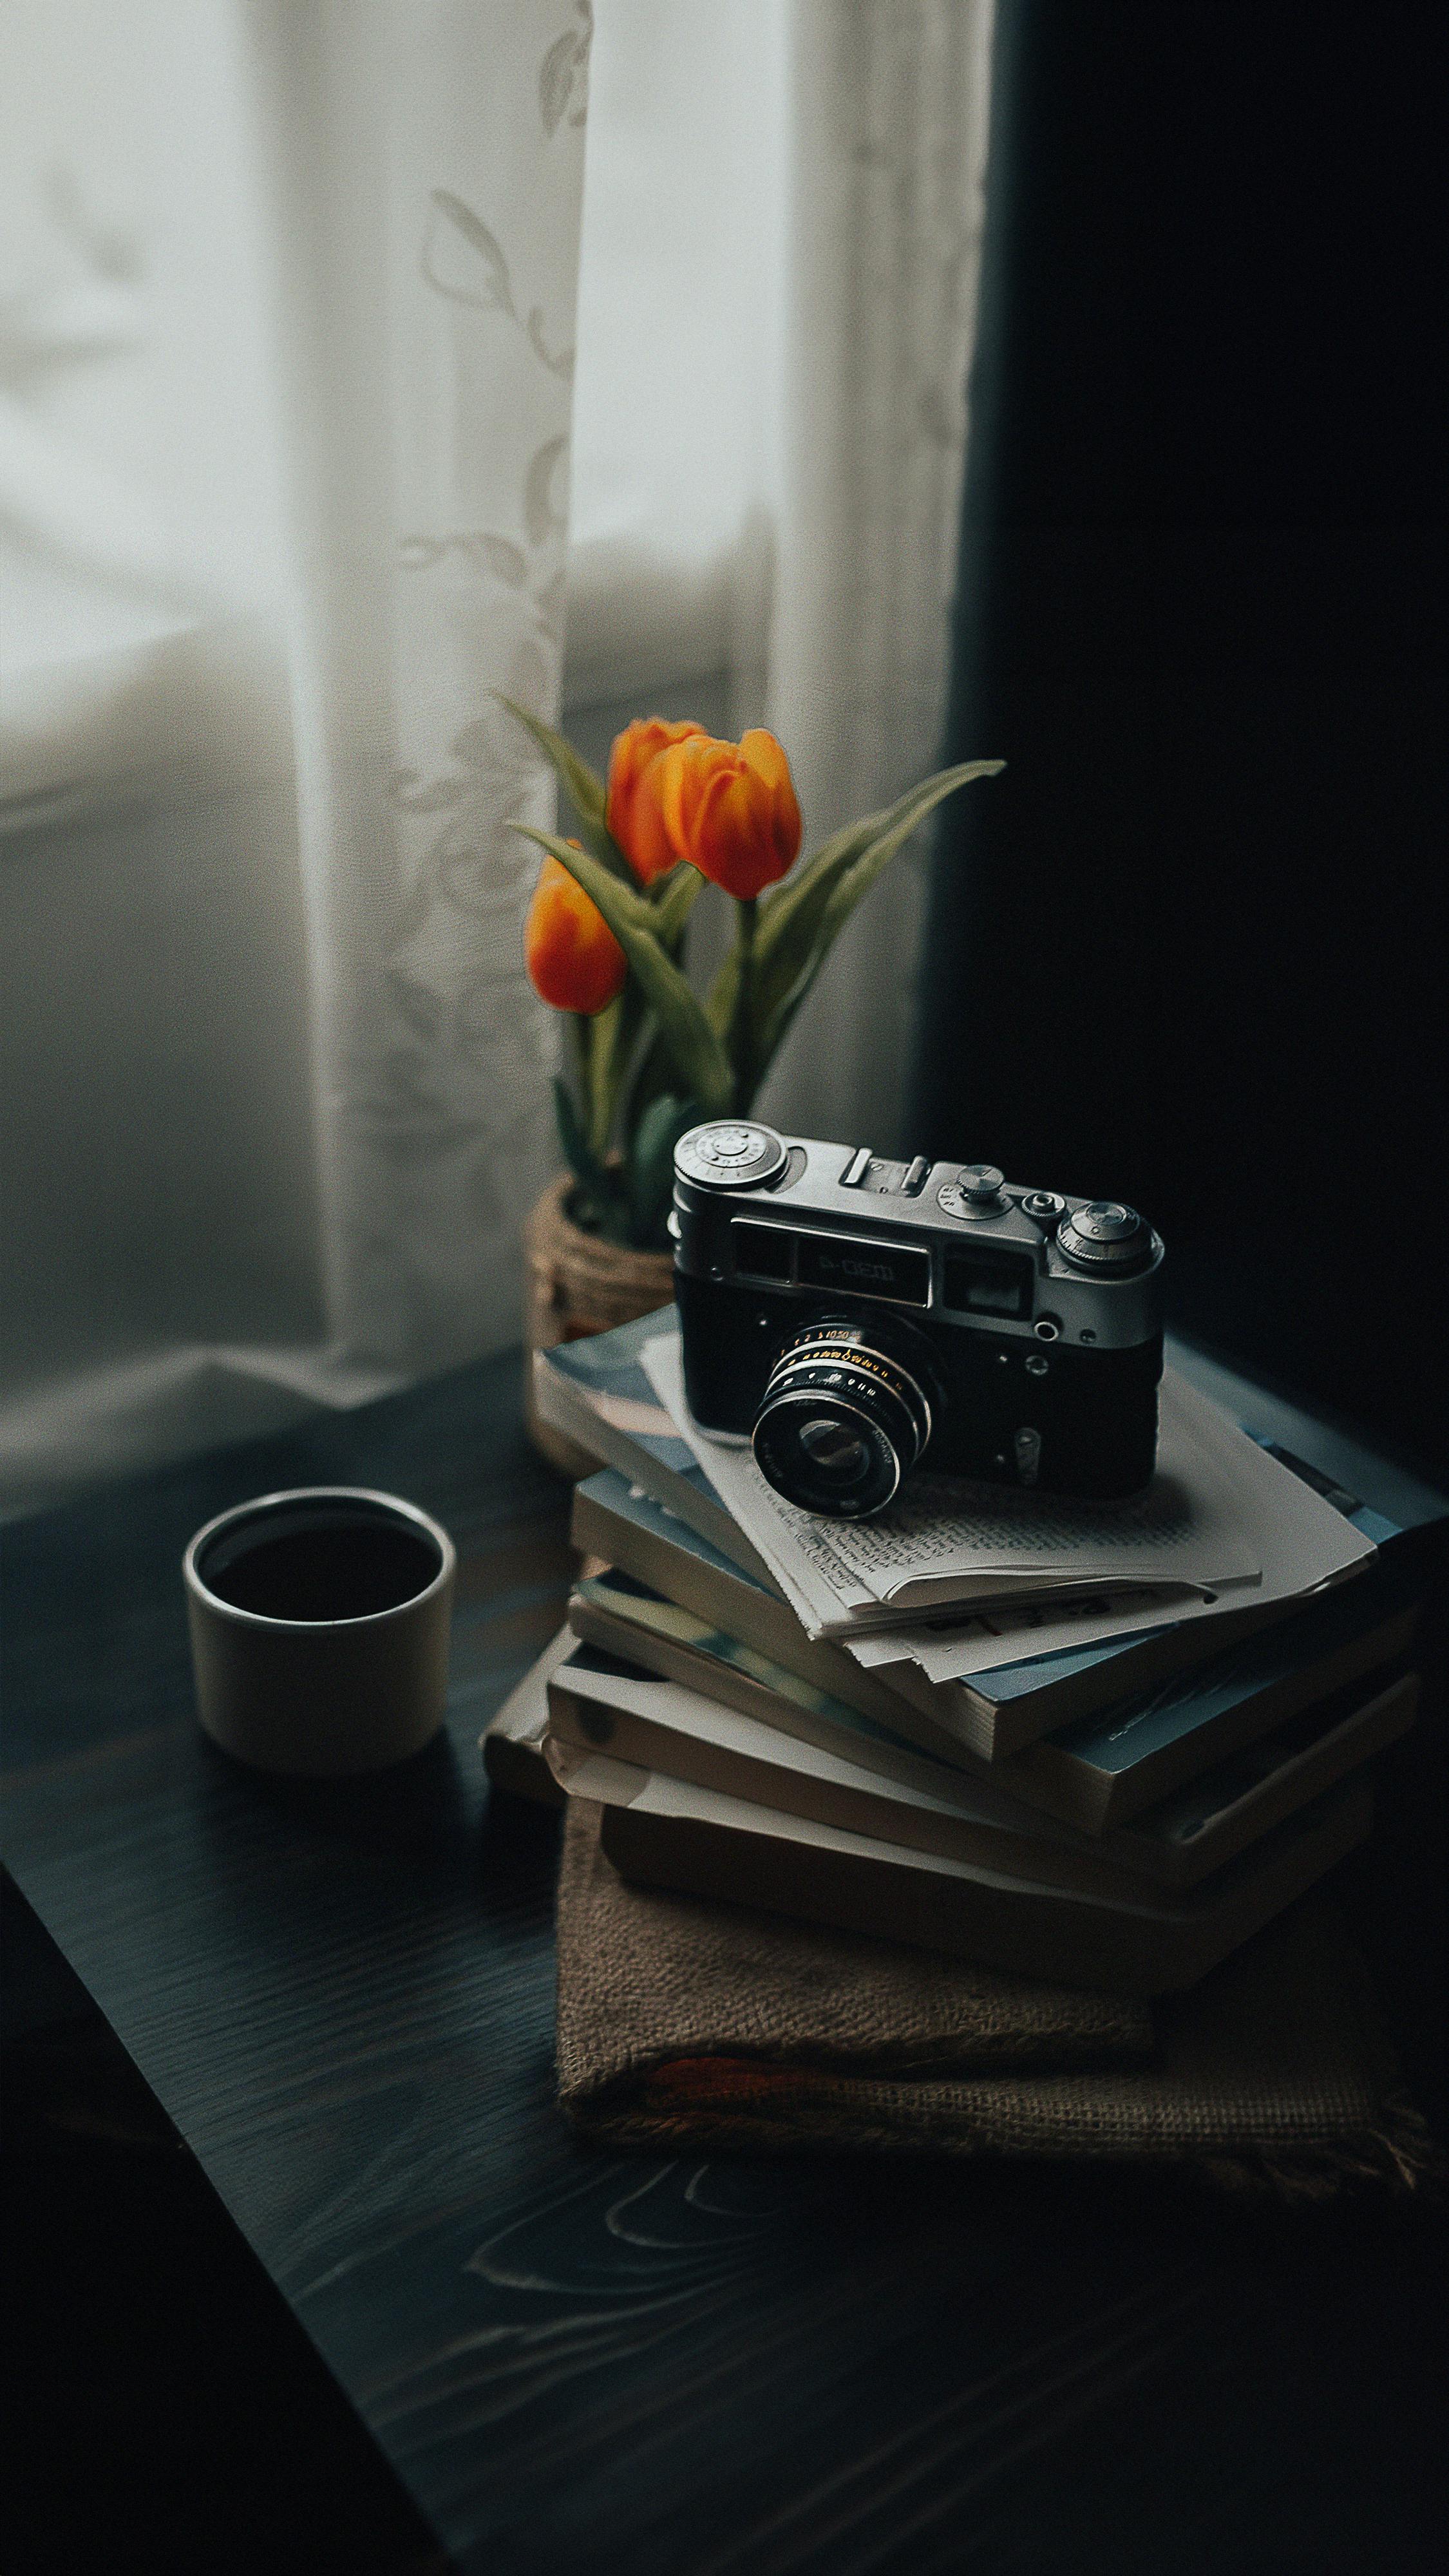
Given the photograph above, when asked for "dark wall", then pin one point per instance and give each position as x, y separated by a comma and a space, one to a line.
1189, 948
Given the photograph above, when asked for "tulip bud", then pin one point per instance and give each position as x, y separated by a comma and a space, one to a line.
731, 809
632, 812
574, 961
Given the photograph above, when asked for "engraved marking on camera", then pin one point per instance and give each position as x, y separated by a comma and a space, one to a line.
958, 1202
727, 1154
805, 1363
898, 1271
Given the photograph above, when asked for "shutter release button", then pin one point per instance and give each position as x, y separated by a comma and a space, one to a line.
976, 1192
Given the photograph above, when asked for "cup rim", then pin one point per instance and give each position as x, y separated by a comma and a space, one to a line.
201, 1591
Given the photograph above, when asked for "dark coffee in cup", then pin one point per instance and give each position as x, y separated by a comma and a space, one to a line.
337, 1559
319, 1629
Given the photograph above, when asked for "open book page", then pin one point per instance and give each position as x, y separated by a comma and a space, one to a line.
946, 1542
1305, 1543
954, 1650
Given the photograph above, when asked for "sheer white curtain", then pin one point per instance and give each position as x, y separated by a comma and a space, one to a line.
277, 1094
425, 163
782, 234
681, 312
287, 318
888, 159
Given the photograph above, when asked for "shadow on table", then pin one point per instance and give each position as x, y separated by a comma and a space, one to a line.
163, 2407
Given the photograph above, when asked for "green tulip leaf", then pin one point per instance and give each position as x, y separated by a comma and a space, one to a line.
651, 1166
608, 1037
675, 899
627, 1033
797, 927
583, 786
790, 919
698, 1055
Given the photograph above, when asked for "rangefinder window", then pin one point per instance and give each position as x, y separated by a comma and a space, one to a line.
899, 1271
979, 1285
762, 1251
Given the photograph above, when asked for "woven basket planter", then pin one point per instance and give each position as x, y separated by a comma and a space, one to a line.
576, 1283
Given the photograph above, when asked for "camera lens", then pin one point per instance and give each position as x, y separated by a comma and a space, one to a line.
843, 1420
834, 1450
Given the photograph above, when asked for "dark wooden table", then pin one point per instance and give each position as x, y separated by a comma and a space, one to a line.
343, 1999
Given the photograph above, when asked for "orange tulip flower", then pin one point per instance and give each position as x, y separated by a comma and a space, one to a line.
730, 807
573, 959
632, 812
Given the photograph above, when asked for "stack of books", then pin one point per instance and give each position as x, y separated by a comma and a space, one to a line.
1100, 1744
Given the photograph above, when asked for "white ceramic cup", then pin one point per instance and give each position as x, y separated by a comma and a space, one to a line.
319, 1629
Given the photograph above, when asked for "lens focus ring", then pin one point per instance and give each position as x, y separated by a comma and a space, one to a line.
841, 1423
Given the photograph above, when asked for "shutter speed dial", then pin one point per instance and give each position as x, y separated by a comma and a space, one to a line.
731, 1154
1105, 1236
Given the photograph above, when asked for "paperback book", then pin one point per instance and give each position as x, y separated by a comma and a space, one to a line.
512, 1741
812, 1766
598, 1703
1039, 1678
1104, 1768
1098, 1771
666, 1832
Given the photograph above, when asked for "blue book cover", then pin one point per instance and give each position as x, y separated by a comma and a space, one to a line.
610, 1407
608, 1370
1306, 1652
1125, 1758
1013, 1684
630, 1503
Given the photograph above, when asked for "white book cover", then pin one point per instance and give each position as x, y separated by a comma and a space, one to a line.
858, 1756
1203, 1527
601, 1777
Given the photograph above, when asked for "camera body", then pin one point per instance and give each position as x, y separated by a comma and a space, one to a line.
847, 1313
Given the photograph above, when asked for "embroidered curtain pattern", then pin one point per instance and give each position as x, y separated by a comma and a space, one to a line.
425, 167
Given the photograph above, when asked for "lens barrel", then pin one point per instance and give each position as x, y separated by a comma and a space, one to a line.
843, 1420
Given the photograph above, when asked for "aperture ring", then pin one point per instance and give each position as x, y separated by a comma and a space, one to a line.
824, 1384
830, 1348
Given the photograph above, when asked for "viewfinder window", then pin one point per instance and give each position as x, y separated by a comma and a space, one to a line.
761, 1251
982, 1284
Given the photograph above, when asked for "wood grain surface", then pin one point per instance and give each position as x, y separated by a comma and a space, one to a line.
343, 1997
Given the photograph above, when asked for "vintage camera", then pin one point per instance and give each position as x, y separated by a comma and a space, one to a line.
848, 1315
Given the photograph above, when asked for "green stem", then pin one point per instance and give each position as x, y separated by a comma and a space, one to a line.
599, 1104
740, 1043
585, 1070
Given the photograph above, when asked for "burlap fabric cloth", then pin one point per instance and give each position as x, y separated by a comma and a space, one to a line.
684, 2025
